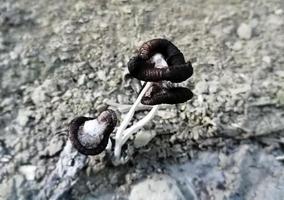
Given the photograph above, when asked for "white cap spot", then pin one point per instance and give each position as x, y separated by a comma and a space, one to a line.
92, 133
159, 61
93, 127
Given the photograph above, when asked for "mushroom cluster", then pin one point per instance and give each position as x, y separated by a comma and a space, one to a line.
159, 64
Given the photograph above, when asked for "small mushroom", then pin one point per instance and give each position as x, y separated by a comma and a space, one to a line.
90, 135
142, 68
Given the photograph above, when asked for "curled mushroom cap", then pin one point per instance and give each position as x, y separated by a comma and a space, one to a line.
163, 95
143, 68
90, 135
171, 53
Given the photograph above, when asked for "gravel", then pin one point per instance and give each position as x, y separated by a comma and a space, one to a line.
61, 59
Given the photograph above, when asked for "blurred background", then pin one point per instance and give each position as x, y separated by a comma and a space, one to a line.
61, 59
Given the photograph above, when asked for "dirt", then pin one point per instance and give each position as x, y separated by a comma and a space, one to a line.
61, 59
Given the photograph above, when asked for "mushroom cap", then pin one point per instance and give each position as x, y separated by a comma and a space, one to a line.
146, 67
90, 135
157, 94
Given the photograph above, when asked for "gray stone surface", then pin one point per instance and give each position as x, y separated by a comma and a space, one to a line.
156, 187
61, 59
247, 173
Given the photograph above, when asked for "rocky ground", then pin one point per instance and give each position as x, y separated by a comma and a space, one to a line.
61, 59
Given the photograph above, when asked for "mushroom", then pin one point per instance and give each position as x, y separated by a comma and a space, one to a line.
90, 135
158, 61
176, 70
142, 67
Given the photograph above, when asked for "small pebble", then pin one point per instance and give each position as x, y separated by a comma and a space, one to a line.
237, 46
90, 84
91, 75
142, 138
82, 79
275, 20
244, 31
55, 145
23, 117
201, 87
101, 75
278, 12
28, 171
38, 96
266, 59
120, 64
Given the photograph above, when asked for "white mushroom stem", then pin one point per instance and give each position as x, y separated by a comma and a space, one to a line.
123, 135
133, 129
125, 122
280, 158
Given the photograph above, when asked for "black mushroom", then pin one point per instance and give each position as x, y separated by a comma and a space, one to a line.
142, 68
90, 135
